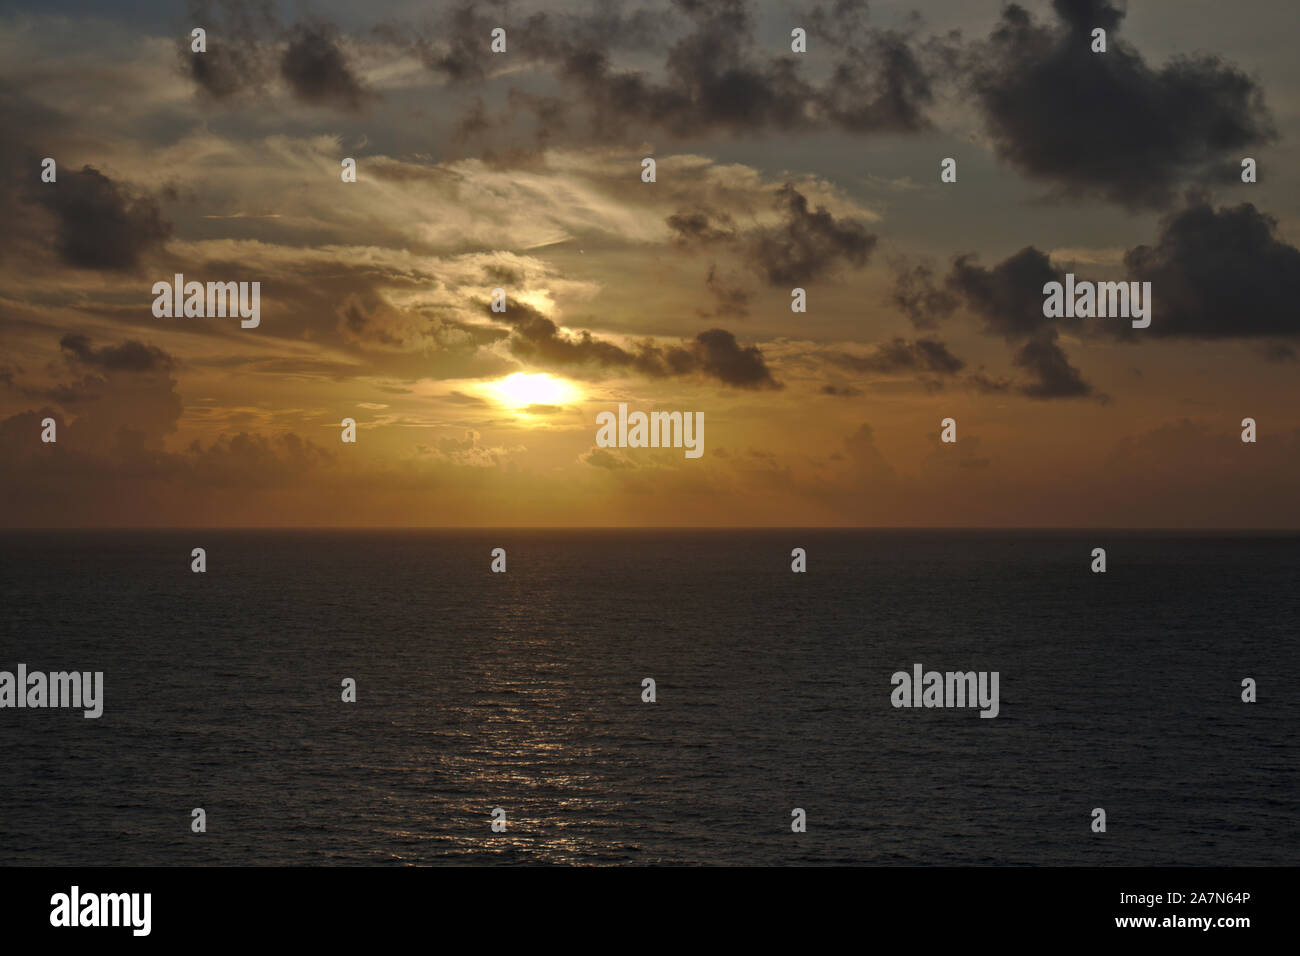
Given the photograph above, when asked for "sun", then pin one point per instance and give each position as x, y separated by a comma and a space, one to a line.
523, 389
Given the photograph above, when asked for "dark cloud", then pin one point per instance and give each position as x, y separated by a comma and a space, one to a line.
1214, 273
917, 294
836, 25
698, 226
460, 50
714, 75
808, 244
125, 402
1008, 297
236, 59
1052, 374
538, 339
247, 45
130, 356
99, 223
988, 385
1107, 124
923, 355
721, 357
713, 354
1219, 274
316, 69
881, 86
841, 391
367, 318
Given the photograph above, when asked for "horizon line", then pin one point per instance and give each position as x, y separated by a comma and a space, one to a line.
880, 528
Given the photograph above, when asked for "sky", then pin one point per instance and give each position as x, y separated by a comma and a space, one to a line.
522, 171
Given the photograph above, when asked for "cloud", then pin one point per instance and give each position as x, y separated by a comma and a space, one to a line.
316, 69
252, 461
714, 353
805, 244
714, 76
899, 355
1214, 273
1219, 274
125, 405
1107, 124
600, 458
866, 458
719, 356
732, 299
100, 224
247, 45
841, 391
698, 226
367, 318
235, 60
917, 294
1009, 297
130, 356
809, 243
1053, 375
469, 451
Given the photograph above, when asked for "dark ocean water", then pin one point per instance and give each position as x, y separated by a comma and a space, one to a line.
523, 691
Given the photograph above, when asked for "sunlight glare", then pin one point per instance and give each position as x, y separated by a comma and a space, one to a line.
522, 389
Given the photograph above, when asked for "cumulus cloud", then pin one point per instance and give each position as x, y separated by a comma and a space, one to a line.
99, 223
1008, 298
1108, 124
1219, 273
316, 69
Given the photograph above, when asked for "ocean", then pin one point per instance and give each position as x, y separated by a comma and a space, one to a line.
523, 691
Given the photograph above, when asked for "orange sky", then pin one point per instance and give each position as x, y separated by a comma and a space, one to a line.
478, 171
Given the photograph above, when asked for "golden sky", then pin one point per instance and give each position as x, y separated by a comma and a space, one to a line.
523, 171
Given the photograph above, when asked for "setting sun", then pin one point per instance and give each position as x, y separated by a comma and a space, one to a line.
523, 389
